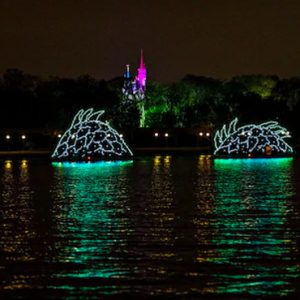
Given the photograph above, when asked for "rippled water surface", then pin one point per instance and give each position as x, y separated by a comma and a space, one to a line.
183, 227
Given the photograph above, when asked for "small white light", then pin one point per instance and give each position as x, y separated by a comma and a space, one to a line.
23, 136
156, 134
121, 135
73, 136
7, 136
166, 134
59, 135
207, 134
108, 135
201, 133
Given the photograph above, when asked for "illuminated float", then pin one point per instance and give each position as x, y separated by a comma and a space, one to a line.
265, 139
89, 139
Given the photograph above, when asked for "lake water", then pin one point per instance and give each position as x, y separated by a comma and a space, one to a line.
172, 226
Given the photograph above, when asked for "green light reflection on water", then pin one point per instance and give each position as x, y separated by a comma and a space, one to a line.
234, 162
89, 205
93, 165
252, 236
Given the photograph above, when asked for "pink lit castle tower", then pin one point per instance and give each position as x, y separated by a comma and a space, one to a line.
142, 74
135, 88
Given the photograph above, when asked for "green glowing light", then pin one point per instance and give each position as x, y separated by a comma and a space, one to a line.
253, 161
252, 197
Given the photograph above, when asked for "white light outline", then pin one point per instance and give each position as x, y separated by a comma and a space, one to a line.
223, 146
69, 148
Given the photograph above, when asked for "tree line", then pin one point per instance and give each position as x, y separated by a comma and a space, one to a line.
32, 102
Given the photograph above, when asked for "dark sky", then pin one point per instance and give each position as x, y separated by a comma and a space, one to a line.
217, 38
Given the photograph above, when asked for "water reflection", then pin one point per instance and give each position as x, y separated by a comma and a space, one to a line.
254, 242
17, 229
162, 225
204, 194
89, 209
113, 227
160, 218
221, 226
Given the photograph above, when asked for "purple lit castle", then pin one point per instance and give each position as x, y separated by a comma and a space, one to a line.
134, 88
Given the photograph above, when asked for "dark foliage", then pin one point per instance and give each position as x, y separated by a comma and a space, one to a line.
31, 102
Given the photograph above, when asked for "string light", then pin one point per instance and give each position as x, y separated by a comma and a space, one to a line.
251, 139
88, 138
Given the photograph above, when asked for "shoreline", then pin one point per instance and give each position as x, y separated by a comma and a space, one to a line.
139, 151
45, 154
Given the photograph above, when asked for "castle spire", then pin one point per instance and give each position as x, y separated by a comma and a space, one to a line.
142, 74
142, 65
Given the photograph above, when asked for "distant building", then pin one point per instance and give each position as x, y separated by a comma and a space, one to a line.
135, 87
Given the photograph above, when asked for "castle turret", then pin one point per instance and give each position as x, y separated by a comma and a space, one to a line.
127, 72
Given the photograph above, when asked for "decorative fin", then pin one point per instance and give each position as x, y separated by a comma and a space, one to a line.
268, 124
96, 115
217, 139
86, 115
77, 118
276, 128
232, 126
223, 133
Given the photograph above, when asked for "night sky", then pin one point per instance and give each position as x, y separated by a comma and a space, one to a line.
217, 38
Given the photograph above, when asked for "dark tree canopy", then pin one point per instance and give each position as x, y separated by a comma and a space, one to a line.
32, 102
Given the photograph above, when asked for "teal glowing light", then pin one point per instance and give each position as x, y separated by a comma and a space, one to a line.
272, 161
252, 234
93, 165
89, 212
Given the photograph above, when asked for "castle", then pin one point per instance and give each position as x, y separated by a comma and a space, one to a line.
135, 88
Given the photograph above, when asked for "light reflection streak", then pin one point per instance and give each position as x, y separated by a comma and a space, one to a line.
161, 202
155, 222
205, 250
16, 227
